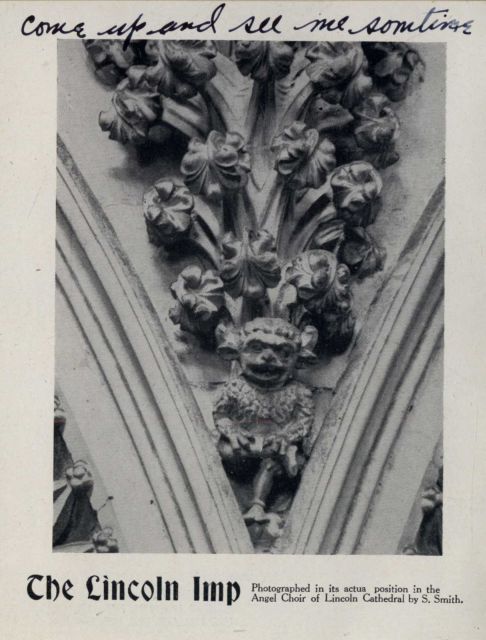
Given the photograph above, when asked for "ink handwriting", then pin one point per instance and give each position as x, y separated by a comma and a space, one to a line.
395, 27
323, 24
263, 27
42, 27
436, 19
206, 25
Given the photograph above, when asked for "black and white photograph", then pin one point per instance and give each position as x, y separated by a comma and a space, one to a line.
249, 297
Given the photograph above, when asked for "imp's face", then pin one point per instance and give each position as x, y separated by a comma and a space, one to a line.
268, 360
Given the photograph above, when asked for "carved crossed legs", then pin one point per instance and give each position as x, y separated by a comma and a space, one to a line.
262, 485
270, 468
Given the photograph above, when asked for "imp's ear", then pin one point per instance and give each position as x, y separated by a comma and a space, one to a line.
228, 341
308, 340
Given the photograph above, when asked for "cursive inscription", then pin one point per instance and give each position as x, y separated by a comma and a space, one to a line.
127, 30
251, 25
188, 25
323, 24
31, 26
435, 19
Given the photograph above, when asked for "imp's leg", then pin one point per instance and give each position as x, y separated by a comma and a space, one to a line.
262, 485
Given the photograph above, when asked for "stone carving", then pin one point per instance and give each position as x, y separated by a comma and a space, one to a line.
377, 129
316, 291
250, 265
220, 164
339, 68
278, 184
111, 60
179, 69
301, 158
134, 109
395, 66
356, 188
167, 209
104, 542
428, 540
264, 60
79, 477
264, 414
200, 302
76, 523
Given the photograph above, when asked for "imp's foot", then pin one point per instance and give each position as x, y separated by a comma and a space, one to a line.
256, 513
274, 526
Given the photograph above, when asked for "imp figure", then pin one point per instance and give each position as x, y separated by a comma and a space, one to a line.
263, 413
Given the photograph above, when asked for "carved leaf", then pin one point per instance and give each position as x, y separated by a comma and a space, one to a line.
322, 289
329, 235
134, 109
111, 61
339, 68
355, 187
200, 301
396, 66
361, 253
168, 213
180, 68
311, 213
251, 265
303, 159
377, 129
312, 274
264, 60
220, 163
326, 116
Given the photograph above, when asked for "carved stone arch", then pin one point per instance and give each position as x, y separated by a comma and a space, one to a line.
180, 499
361, 432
